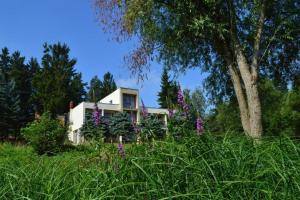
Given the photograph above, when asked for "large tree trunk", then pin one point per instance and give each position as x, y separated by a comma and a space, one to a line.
237, 85
244, 112
253, 100
249, 72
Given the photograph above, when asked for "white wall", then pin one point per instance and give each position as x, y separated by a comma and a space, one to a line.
76, 120
113, 98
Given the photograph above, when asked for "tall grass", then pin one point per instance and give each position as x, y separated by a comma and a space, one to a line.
195, 168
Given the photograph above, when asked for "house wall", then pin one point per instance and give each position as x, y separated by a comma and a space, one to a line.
113, 98
76, 120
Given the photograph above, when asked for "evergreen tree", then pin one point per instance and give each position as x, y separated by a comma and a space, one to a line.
94, 93
5, 63
121, 125
163, 95
77, 91
167, 97
91, 131
9, 106
54, 82
22, 76
108, 85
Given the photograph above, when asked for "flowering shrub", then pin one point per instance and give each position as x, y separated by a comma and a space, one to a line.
182, 119
46, 135
91, 131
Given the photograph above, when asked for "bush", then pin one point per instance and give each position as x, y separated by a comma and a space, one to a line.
121, 125
91, 131
152, 127
46, 135
180, 125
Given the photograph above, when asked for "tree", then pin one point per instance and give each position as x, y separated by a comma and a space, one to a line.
167, 95
244, 36
108, 85
198, 101
5, 65
121, 125
94, 93
57, 83
152, 127
91, 131
22, 76
9, 106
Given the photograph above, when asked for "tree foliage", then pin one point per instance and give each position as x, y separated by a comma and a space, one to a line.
152, 128
91, 131
120, 124
235, 39
46, 135
57, 83
99, 89
167, 96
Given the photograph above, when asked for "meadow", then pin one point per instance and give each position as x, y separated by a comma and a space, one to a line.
206, 167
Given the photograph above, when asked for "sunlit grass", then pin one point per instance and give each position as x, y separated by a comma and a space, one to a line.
195, 168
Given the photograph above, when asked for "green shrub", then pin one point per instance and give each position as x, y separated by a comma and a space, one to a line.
91, 131
46, 135
180, 125
121, 125
151, 127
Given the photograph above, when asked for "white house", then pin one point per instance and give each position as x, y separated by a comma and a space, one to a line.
121, 100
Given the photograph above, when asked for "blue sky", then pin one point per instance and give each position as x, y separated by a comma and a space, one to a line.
26, 25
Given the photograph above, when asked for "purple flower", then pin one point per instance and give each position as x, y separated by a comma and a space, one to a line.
135, 128
181, 101
186, 107
171, 113
121, 150
144, 110
180, 98
96, 115
199, 126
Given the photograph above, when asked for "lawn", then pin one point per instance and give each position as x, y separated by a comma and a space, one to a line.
206, 167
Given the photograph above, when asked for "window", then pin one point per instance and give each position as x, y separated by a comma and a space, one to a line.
129, 101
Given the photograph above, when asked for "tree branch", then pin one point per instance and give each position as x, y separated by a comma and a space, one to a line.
257, 39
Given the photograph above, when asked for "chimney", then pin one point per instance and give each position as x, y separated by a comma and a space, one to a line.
71, 105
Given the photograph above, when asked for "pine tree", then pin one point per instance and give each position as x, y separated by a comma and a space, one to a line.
163, 95
94, 93
22, 76
5, 63
108, 85
54, 81
121, 125
9, 106
167, 97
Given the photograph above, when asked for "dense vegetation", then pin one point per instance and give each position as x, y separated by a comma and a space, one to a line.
28, 89
238, 43
206, 167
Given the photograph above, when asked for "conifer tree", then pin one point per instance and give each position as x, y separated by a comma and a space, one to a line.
54, 81
94, 93
167, 97
108, 85
22, 76
9, 106
5, 63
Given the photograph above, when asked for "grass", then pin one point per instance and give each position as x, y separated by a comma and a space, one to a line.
195, 168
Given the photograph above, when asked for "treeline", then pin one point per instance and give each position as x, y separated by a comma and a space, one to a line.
29, 88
